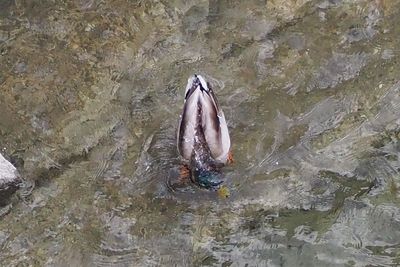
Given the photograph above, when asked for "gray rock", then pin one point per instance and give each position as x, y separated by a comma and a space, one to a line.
20, 67
339, 68
9, 180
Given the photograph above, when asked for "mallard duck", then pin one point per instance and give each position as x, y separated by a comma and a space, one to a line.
203, 137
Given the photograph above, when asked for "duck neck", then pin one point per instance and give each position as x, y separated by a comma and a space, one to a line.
201, 156
205, 170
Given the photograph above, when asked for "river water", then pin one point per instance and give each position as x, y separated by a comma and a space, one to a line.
91, 93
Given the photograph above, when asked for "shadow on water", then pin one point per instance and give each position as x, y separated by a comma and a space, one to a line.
90, 102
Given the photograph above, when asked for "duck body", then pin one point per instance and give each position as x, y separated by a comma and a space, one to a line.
203, 137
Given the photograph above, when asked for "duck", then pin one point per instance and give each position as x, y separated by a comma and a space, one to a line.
203, 139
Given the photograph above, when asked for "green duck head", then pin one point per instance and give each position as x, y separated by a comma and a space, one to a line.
208, 179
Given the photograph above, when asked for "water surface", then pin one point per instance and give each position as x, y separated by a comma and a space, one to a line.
91, 92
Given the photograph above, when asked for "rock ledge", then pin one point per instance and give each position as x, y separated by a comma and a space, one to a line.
9, 180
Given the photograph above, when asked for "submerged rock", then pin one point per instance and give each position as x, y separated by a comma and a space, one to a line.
9, 180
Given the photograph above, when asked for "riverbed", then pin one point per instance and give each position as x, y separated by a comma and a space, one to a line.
91, 93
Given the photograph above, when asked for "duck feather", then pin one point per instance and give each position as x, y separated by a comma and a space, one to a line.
209, 119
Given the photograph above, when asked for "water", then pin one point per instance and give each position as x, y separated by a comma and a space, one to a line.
90, 97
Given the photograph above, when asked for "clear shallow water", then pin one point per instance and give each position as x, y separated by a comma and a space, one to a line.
91, 94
